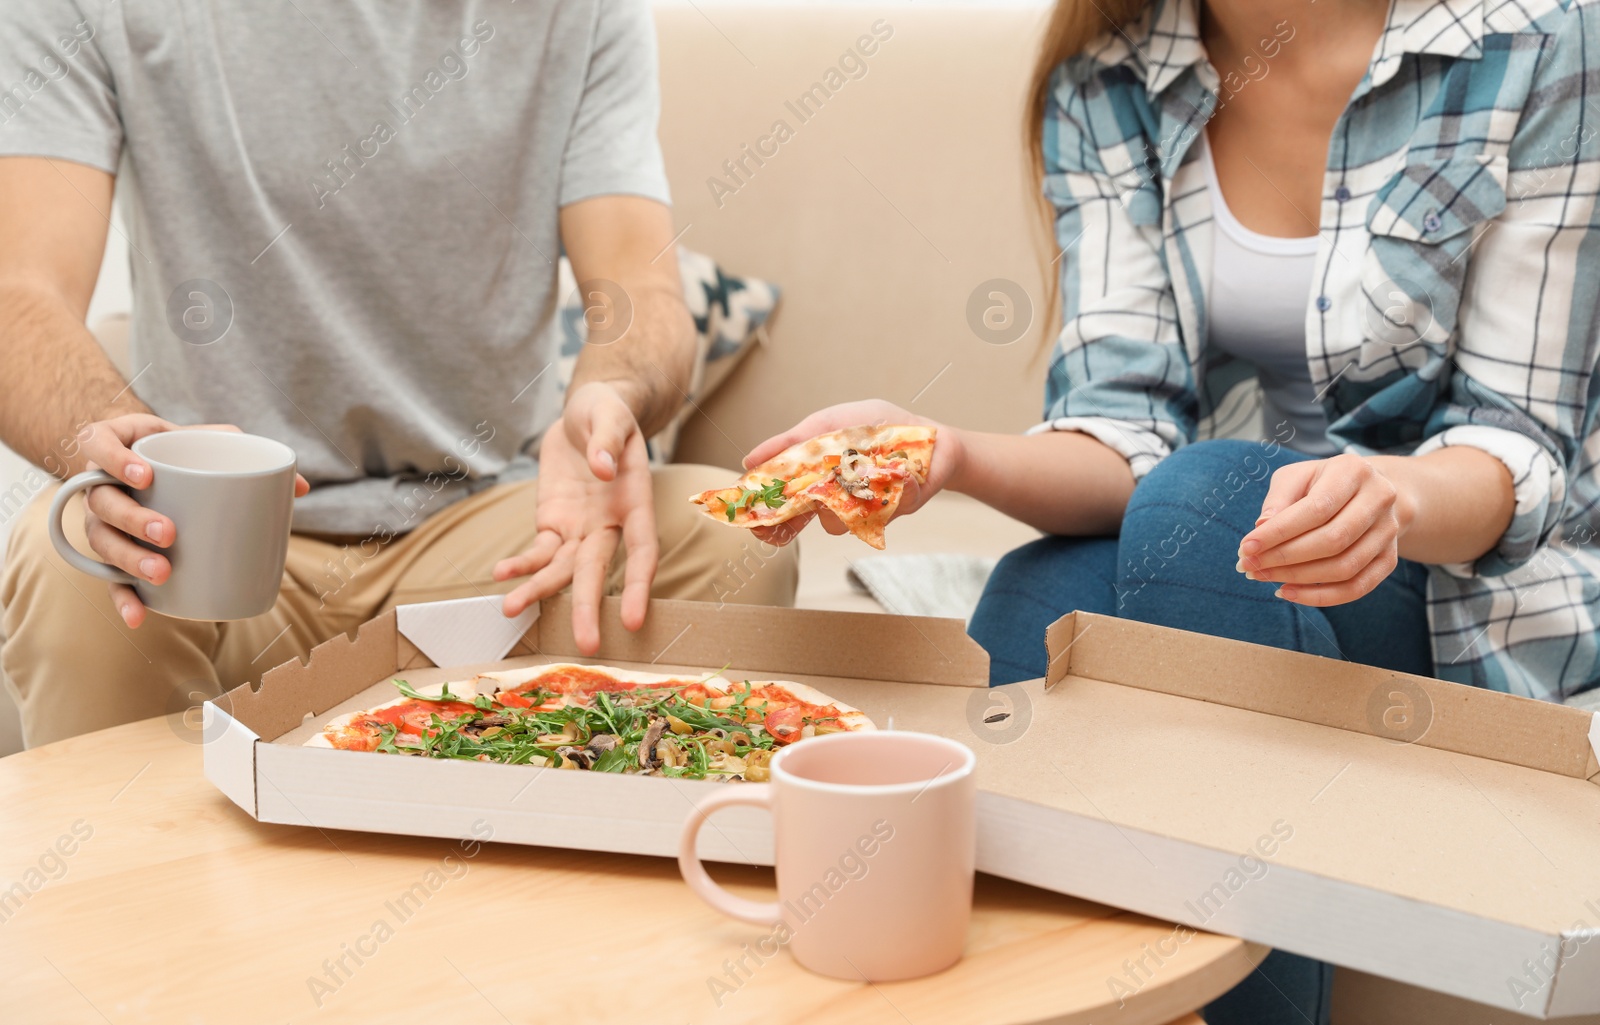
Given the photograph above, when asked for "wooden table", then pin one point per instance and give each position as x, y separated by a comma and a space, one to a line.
171, 905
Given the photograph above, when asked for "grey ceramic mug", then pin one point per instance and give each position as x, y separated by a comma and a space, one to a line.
230, 496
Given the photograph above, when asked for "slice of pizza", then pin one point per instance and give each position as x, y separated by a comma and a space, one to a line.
859, 474
572, 716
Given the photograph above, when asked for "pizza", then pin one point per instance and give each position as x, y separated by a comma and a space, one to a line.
858, 474
598, 719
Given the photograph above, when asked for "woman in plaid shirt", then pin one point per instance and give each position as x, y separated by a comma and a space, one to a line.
1380, 222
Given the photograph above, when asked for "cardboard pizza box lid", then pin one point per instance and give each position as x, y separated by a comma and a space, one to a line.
1419, 830
1425, 831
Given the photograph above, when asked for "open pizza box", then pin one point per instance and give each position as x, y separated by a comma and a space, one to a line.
1431, 833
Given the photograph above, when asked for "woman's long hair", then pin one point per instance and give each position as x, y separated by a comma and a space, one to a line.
1073, 25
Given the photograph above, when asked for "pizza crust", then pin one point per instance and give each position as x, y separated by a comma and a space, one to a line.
509, 679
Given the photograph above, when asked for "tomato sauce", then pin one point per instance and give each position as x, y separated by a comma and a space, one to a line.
414, 717
785, 715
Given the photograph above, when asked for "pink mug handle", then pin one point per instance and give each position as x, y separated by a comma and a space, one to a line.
757, 795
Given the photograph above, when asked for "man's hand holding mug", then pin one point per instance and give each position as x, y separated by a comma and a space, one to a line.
230, 494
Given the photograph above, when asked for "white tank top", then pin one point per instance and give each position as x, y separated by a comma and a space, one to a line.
1260, 286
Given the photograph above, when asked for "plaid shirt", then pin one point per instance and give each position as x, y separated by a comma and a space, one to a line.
1448, 306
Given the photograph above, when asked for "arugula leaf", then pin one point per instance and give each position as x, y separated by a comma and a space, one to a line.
699, 760
615, 760
386, 734
700, 718
407, 691
771, 496
614, 718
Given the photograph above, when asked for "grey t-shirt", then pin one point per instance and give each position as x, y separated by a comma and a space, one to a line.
364, 195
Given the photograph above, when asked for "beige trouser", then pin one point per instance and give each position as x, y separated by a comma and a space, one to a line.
75, 667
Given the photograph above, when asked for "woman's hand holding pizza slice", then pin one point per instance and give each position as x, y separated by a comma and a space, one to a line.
854, 466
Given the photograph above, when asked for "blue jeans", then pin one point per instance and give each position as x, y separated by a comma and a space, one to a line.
1173, 565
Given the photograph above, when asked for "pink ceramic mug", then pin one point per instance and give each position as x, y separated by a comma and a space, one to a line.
875, 842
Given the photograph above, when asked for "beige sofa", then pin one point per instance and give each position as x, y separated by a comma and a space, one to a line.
879, 217
899, 194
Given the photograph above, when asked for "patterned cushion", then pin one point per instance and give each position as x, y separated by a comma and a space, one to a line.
728, 315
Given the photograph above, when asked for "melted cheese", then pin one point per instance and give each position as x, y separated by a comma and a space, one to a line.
805, 480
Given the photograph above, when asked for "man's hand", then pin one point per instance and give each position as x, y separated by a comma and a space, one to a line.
1329, 530
947, 453
629, 382
594, 491
112, 518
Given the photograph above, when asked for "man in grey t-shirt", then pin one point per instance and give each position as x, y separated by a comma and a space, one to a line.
344, 222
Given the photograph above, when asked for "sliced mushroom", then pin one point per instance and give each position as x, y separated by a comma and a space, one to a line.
573, 757
598, 745
648, 759
484, 726
853, 472
671, 755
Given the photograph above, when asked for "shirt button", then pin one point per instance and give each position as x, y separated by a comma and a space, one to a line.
1432, 222
1324, 303
1342, 194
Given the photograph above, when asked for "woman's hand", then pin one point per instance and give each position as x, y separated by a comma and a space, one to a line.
1329, 530
946, 456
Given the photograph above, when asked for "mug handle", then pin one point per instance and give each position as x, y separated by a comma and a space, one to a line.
757, 795
58, 537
